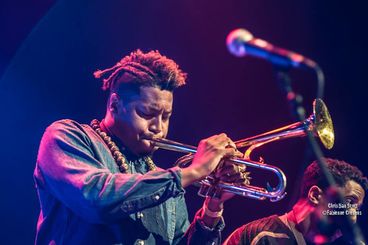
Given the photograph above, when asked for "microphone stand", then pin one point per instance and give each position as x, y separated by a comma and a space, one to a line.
352, 230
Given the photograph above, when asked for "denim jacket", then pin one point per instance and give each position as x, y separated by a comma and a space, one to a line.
84, 198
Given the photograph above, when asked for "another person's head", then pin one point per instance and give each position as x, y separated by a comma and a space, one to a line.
140, 99
328, 212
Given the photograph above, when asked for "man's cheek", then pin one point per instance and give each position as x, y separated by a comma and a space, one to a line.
352, 213
165, 130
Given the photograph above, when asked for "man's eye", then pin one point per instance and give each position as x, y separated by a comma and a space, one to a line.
351, 201
145, 114
166, 117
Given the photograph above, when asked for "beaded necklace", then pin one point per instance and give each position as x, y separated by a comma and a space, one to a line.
119, 157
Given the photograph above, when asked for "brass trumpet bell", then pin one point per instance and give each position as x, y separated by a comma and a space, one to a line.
323, 124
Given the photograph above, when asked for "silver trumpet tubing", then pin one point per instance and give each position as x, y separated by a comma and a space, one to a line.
319, 123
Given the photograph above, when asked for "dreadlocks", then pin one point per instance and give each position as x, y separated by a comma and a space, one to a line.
147, 69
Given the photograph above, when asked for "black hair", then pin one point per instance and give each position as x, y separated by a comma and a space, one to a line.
142, 69
341, 171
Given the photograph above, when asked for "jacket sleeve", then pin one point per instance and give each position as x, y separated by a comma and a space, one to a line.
199, 233
237, 237
68, 169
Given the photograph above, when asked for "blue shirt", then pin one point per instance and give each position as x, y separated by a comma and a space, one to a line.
85, 199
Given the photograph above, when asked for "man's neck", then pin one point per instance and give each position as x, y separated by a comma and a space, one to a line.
300, 216
107, 126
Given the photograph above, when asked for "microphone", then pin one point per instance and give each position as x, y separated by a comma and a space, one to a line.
241, 42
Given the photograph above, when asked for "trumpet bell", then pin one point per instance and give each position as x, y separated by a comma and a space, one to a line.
323, 124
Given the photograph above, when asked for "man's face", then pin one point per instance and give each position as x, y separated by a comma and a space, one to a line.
330, 214
353, 196
144, 113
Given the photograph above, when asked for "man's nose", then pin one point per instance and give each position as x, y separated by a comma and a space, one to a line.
156, 125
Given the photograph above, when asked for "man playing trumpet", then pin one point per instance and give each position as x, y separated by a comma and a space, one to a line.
97, 183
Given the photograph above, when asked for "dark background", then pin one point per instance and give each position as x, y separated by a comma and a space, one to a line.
49, 50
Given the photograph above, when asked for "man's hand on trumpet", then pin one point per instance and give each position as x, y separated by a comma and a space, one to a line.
230, 172
209, 154
211, 159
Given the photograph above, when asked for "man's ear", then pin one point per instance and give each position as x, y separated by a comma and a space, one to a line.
114, 103
315, 194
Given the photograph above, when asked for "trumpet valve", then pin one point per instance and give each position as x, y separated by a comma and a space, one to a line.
209, 189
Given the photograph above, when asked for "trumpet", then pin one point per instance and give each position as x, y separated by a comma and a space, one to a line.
319, 123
